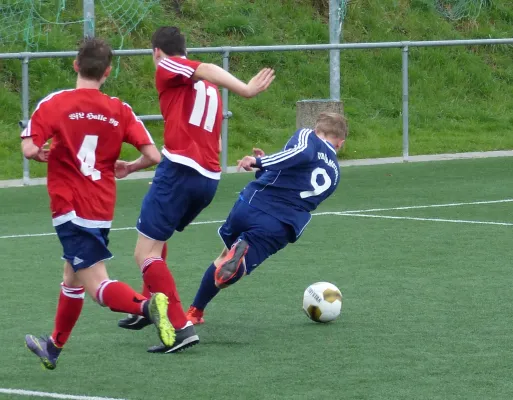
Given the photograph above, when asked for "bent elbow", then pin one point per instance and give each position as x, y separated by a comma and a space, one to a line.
29, 150
155, 158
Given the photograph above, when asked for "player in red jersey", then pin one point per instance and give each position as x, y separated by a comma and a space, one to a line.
186, 179
87, 129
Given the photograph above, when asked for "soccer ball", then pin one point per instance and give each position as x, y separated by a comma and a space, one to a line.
322, 302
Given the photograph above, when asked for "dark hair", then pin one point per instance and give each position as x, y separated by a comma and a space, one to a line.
169, 40
93, 59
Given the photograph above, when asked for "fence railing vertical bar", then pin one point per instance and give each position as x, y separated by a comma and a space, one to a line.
224, 131
406, 106
405, 46
25, 110
334, 28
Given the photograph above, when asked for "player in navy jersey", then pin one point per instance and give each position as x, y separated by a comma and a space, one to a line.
274, 209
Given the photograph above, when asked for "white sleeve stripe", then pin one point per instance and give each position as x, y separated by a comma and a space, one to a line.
284, 154
172, 64
142, 123
178, 65
27, 131
269, 163
287, 151
175, 71
277, 158
174, 68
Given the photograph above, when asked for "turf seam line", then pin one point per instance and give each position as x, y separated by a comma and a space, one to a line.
51, 395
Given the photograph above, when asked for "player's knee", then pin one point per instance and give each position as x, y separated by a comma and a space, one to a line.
69, 278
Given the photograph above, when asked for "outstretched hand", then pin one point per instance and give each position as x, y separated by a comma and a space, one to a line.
258, 152
246, 163
260, 82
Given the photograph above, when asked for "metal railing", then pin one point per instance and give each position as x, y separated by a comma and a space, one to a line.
225, 51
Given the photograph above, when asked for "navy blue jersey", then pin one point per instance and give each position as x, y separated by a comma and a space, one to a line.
292, 183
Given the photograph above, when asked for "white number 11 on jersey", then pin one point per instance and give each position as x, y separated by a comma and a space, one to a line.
199, 106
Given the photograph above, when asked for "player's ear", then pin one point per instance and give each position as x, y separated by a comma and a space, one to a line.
107, 72
156, 56
340, 144
75, 66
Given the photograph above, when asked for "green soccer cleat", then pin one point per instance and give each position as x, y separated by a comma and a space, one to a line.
157, 310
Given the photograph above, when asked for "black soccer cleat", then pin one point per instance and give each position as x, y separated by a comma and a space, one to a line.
185, 338
134, 322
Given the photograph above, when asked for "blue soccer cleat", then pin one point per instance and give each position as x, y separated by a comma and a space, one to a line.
45, 349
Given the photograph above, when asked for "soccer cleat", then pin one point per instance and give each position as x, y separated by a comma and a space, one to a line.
231, 265
195, 316
157, 309
134, 322
45, 349
185, 338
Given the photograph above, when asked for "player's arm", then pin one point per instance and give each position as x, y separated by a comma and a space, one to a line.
33, 152
137, 135
299, 150
150, 156
218, 76
38, 131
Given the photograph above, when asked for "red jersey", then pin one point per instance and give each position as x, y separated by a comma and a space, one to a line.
87, 129
193, 116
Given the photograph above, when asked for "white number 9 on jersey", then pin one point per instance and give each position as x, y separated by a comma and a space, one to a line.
87, 157
318, 189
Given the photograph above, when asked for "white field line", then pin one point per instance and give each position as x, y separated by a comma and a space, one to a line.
50, 395
457, 221
126, 228
348, 212
470, 203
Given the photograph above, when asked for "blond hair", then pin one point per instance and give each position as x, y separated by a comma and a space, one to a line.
331, 124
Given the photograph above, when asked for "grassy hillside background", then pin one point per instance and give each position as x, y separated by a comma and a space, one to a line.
460, 98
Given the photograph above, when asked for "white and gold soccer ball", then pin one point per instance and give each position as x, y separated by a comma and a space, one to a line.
322, 302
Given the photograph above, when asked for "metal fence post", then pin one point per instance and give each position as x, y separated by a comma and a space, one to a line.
224, 132
334, 23
89, 18
25, 110
405, 105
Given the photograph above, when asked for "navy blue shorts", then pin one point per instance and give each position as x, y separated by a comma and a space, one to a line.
176, 197
83, 247
264, 233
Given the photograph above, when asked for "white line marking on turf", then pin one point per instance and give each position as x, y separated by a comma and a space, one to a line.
458, 221
128, 228
471, 203
348, 212
20, 392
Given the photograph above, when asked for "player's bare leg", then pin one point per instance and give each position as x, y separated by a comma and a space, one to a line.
158, 277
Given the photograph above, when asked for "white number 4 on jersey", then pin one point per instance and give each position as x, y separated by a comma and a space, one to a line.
87, 157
